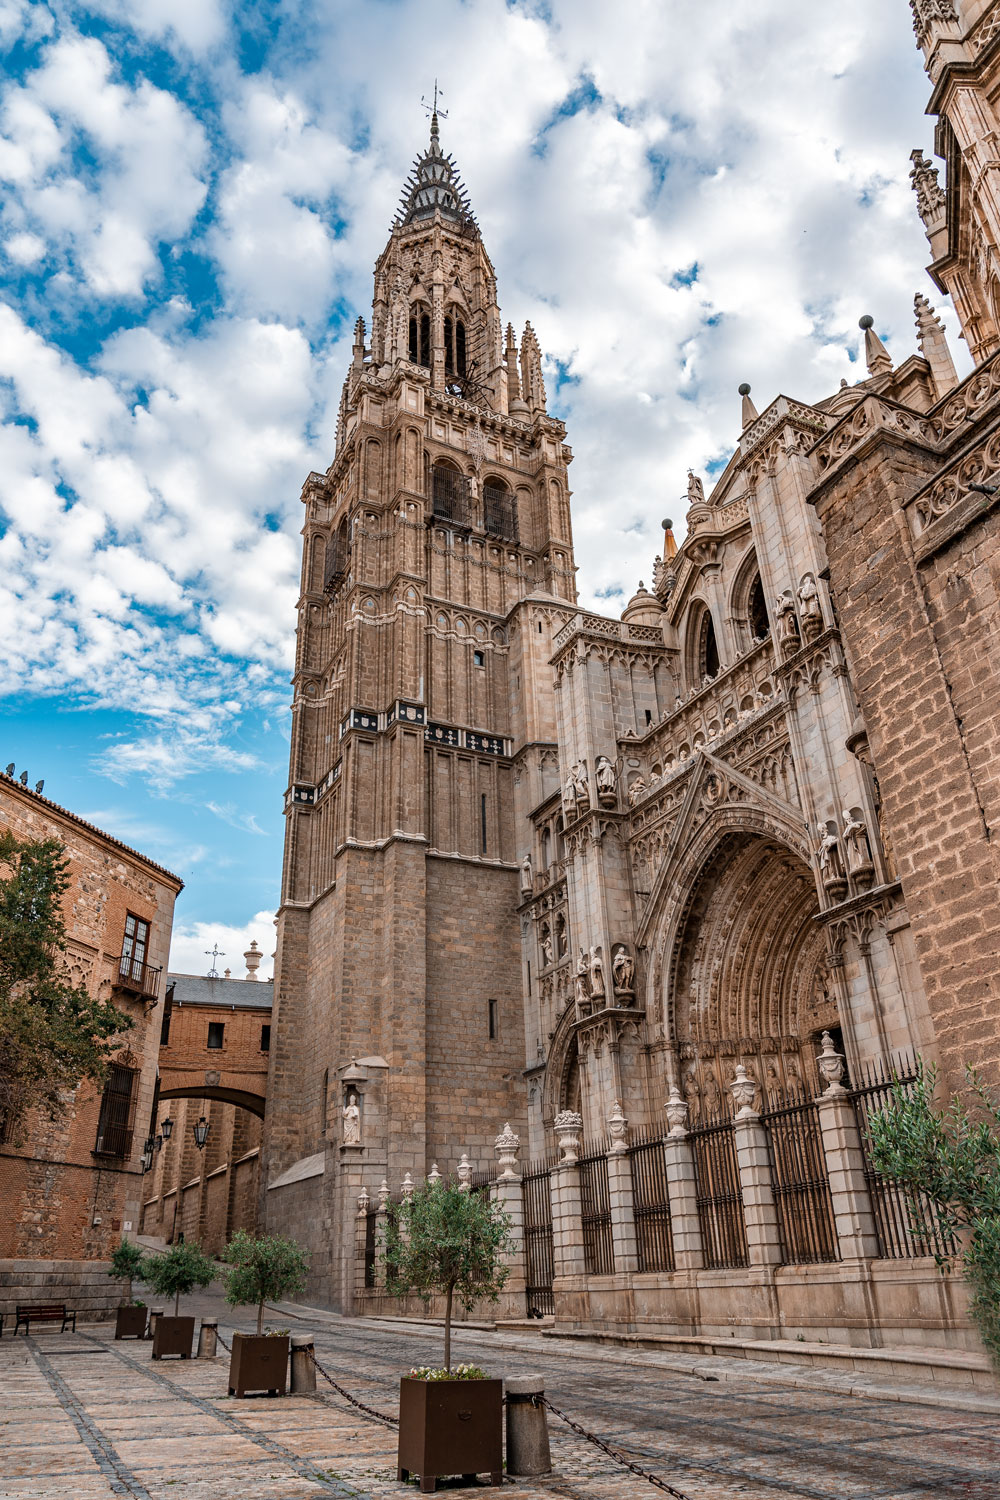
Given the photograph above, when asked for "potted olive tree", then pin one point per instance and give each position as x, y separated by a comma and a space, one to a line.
262, 1268
126, 1264
446, 1241
175, 1274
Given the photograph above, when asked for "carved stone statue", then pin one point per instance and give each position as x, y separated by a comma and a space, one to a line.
561, 940
635, 790
855, 836
569, 798
581, 786
581, 984
810, 610
788, 625
352, 1121
831, 864
527, 876
607, 781
596, 971
623, 970
546, 946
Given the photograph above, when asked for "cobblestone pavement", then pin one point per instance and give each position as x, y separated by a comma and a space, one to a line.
84, 1418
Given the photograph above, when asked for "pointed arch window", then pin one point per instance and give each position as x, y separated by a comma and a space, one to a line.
708, 653
499, 511
454, 346
760, 625
420, 339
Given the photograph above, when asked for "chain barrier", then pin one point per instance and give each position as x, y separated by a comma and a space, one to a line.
619, 1458
228, 1347
369, 1411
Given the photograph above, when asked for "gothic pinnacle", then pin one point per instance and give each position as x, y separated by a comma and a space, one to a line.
750, 412
876, 354
933, 345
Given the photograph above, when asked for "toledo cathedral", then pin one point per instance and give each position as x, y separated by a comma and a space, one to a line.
631, 920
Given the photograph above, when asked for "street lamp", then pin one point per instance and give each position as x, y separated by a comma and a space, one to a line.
147, 1154
200, 1133
166, 1126
159, 1143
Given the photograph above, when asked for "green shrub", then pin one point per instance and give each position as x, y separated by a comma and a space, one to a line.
262, 1268
127, 1264
178, 1271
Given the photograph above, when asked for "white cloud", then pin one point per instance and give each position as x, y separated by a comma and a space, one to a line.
192, 944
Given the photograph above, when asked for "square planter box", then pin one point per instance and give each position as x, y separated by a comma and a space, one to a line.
173, 1336
258, 1364
130, 1322
450, 1427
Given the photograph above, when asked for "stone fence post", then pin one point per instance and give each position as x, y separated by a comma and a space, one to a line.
682, 1188
564, 1180
753, 1160
361, 1237
623, 1237
507, 1192
845, 1161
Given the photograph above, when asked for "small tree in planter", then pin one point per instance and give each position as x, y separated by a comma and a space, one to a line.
126, 1264
262, 1268
447, 1241
175, 1274
951, 1158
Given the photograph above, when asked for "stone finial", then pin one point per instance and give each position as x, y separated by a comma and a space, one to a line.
877, 355
931, 197
408, 1185
831, 1066
383, 1196
363, 1202
669, 540
749, 412
676, 1109
618, 1127
568, 1125
252, 958
743, 1089
506, 1146
464, 1173
434, 1175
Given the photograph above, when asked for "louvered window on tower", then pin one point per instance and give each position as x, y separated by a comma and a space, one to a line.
454, 347
450, 495
420, 339
117, 1118
336, 559
499, 511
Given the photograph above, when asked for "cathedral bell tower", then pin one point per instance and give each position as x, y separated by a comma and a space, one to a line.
398, 975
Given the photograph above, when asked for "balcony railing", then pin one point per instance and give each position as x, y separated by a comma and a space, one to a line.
137, 977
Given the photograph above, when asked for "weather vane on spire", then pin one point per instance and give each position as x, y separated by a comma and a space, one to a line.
432, 109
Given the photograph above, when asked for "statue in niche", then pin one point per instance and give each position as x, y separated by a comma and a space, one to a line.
856, 842
635, 790
562, 942
831, 865
692, 1090
581, 786
713, 1096
352, 1121
569, 797
596, 971
607, 780
623, 970
546, 946
527, 876
809, 608
581, 984
788, 625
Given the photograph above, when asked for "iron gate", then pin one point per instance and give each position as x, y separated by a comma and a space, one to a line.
537, 1200
651, 1206
595, 1212
800, 1184
720, 1203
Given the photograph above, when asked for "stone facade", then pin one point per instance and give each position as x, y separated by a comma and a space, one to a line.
737, 855
71, 1186
214, 1046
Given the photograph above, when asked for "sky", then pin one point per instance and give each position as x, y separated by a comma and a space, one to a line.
679, 197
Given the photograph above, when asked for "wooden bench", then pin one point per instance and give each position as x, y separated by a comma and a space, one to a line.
43, 1312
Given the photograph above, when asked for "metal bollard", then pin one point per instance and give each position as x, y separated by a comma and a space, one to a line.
527, 1426
207, 1335
155, 1314
303, 1363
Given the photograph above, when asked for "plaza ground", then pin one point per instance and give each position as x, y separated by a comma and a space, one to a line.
84, 1418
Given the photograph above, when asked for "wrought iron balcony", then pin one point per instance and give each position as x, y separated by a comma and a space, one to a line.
137, 978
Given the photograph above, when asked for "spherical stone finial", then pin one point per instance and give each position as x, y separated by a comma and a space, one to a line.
667, 525
866, 322
744, 389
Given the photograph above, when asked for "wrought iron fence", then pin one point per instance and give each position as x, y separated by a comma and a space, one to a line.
500, 513
450, 498
595, 1213
137, 976
799, 1182
371, 1246
481, 1182
905, 1222
718, 1197
651, 1205
536, 1198
335, 568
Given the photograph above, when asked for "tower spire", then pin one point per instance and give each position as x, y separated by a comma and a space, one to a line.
434, 184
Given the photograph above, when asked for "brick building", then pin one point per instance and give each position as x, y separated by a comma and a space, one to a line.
718, 865
214, 1044
72, 1186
